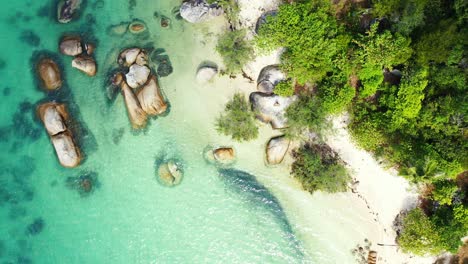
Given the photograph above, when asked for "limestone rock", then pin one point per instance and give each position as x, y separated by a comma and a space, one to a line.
71, 46
128, 56
224, 155
268, 78
271, 108
66, 9
137, 75
85, 64
49, 73
206, 73
53, 116
151, 99
195, 11
276, 149
169, 174
67, 152
136, 115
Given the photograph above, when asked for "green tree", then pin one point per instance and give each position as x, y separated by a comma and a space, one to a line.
238, 121
419, 234
318, 169
284, 88
444, 191
235, 50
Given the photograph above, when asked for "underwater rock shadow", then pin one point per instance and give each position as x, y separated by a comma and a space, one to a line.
246, 186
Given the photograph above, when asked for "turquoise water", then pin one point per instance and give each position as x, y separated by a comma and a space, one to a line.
215, 215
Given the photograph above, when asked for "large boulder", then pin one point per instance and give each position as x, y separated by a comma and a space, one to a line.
271, 108
85, 64
268, 78
128, 56
136, 115
151, 99
137, 75
224, 155
53, 116
206, 73
276, 149
49, 73
169, 174
67, 152
66, 10
70, 46
195, 11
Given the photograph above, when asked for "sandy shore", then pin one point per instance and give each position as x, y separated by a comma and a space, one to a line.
381, 191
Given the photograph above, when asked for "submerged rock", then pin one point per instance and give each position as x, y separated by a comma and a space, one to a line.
206, 73
66, 10
71, 46
84, 183
137, 75
136, 114
35, 227
137, 27
118, 30
164, 68
224, 155
271, 108
85, 64
49, 73
276, 149
268, 78
195, 11
169, 174
165, 22
151, 99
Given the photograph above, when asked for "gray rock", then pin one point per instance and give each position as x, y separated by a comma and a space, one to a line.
195, 11
276, 149
66, 9
137, 75
271, 108
268, 78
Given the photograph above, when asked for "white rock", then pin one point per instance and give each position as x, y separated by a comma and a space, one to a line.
205, 74
67, 152
195, 11
128, 56
137, 75
85, 64
53, 121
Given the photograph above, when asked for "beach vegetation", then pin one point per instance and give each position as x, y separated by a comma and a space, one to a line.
284, 88
238, 120
318, 168
235, 50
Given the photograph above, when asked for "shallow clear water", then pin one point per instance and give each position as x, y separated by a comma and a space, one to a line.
213, 216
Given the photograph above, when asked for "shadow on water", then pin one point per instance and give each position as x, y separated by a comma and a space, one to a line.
249, 189
82, 135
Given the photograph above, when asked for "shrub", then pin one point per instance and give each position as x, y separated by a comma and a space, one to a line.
235, 50
318, 168
284, 88
238, 120
305, 114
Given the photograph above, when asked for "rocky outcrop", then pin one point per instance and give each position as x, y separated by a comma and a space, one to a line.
151, 99
55, 116
169, 174
196, 11
85, 64
206, 73
137, 75
70, 46
66, 9
131, 56
136, 114
268, 78
271, 108
276, 149
224, 155
49, 73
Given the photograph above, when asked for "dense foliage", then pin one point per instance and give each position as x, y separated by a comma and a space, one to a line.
238, 121
235, 50
284, 88
400, 69
318, 168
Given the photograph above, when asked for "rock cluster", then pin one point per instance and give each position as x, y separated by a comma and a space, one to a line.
83, 61
66, 10
55, 118
196, 11
139, 87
